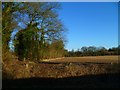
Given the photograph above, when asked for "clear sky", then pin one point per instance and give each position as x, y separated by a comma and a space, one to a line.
90, 24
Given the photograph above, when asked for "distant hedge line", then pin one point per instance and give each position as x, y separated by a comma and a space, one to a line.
93, 51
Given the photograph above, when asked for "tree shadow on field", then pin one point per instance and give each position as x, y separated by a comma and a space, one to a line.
87, 81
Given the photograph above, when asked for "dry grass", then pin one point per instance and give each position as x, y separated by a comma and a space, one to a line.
75, 74
93, 59
65, 67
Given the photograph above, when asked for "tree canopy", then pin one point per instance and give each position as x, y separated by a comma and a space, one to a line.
39, 32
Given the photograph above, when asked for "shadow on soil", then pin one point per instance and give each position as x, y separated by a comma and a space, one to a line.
87, 81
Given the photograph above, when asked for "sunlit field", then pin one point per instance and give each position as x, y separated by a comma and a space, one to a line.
91, 59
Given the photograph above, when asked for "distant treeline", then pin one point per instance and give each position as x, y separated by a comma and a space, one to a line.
93, 51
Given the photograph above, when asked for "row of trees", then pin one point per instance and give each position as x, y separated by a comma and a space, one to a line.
39, 30
93, 51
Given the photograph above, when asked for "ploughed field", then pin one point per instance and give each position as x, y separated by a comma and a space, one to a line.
98, 71
86, 59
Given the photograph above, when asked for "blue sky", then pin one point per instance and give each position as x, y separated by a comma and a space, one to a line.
90, 24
